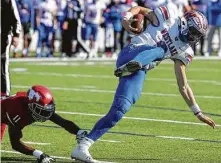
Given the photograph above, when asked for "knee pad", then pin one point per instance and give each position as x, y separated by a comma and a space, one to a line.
121, 104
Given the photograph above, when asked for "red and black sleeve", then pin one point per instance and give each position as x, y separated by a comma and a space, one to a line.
69, 126
15, 135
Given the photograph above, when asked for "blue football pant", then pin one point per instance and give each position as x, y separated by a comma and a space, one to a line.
129, 88
44, 36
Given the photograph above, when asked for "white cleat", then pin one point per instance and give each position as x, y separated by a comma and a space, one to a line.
82, 151
82, 154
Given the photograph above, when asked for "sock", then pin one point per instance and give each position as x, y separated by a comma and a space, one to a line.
15, 50
38, 52
25, 51
86, 143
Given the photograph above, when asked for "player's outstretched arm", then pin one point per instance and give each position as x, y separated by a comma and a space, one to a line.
15, 135
69, 126
186, 92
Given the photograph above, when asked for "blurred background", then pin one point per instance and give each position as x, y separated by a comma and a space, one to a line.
92, 28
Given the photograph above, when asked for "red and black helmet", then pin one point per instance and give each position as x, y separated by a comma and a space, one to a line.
41, 103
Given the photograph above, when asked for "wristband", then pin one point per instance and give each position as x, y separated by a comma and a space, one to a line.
37, 153
195, 108
128, 15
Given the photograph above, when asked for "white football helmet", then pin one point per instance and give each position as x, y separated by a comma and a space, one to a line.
194, 25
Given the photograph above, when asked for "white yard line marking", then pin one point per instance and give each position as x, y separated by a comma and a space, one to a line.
37, 143
15, 152
136, 118
88, 86
172, 137
112, 77
110, 141
112, 92
102, 60
58, 157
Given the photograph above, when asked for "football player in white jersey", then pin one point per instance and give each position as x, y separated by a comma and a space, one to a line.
45, 20
168, 36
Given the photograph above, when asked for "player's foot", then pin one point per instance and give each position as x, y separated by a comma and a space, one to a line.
82, 151
82, 155
128, 69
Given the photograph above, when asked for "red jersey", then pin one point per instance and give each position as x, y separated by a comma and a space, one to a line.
14, 110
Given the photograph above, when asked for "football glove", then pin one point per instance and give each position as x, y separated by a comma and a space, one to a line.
80, 135
44, 158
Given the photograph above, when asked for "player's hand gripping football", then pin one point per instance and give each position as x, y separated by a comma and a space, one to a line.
127, 25
44, 158
206, 119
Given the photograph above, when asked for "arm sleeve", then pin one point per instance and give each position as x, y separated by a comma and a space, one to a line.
69, 126
15, 134
16, 23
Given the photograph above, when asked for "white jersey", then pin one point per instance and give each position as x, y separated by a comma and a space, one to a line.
47, 10
93, 13
165, 35
154, 3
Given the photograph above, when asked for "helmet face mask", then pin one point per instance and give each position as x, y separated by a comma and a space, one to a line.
41, 113
41, 103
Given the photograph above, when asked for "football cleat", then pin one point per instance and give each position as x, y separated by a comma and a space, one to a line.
128, 68
81, 153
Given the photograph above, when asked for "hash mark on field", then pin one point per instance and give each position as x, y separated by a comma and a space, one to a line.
37, 143
111, 141
172, 137
136, 118
112, 92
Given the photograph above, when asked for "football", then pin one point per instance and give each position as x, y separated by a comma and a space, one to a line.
138, 24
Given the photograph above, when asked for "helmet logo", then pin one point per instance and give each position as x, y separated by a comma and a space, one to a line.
32, 94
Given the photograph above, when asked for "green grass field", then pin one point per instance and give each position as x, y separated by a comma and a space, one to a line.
159, 129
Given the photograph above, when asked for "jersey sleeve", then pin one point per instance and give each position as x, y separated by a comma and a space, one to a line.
164, 14
185, 57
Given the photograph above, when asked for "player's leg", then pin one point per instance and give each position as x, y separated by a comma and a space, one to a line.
49, 42
127, 93
41, 36
210, 39
94, 43
27, 39
5, 78
139, 57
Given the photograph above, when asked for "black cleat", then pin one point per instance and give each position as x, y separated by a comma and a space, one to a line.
128, 69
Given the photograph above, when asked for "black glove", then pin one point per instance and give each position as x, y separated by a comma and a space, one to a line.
44, 158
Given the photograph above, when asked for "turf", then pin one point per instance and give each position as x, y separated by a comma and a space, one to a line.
88, 87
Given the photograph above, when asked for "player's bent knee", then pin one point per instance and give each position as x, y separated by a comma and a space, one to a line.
121, 104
